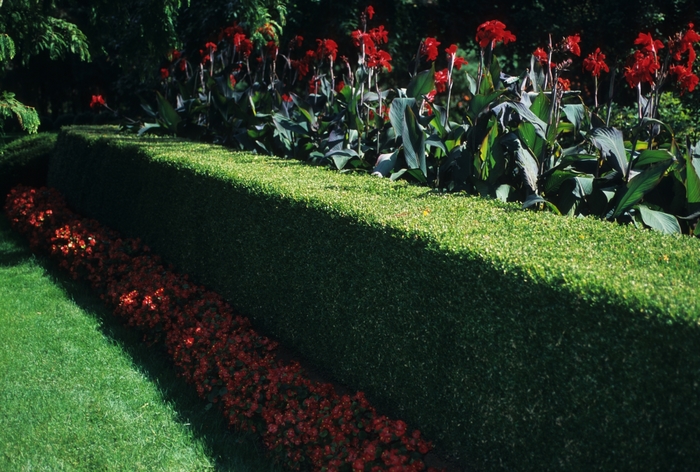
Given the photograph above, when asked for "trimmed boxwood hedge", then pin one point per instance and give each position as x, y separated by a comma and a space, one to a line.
515, 339
25, 161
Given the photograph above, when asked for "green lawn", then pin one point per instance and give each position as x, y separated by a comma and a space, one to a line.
79, 392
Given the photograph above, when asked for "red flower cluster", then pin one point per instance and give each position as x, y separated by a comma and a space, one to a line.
685, 77
97, 101
645, 66
326, 49
457, 61
595, 62
541, 56
492, 32
571, 44
442, 77
374, 57
429, 48
305, 423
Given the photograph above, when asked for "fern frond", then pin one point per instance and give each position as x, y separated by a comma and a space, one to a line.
10, 108
7, 48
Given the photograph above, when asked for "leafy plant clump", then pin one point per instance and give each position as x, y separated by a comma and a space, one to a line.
528, 138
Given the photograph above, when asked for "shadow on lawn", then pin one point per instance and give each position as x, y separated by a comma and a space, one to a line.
229, 450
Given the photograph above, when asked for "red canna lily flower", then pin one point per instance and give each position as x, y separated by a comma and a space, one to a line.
97, 101
370, 12
492, 32
685, 44
429, 48
642, 68
296, 42
571, 44
441, 79
380, 59
327, 48
564, 84
242, 44
650, 44
211, 46
379, 35
542, 56
164, 73
685, 77
457, 61
595, 62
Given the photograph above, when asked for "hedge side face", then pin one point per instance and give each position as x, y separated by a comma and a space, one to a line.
25, 161
516, 340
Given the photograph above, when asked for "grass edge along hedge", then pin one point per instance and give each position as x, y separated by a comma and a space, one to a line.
513, 339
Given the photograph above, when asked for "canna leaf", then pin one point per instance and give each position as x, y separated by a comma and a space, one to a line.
652, 156
397, 113
611, 146
659, 221
692, 170
413, 142
168, 115
422, 83
638, 186
525, 160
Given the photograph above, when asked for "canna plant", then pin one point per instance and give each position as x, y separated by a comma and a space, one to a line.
526, 138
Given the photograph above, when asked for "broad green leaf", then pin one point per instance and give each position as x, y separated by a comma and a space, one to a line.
503, 192
342, 157
147, 127
385, 163
540, 106
495, 71
660, 221
281, 121
436, 122
471, 84
480, 103
168, 115
435, 141
555, 180
525, 160
532, 200
648, 121
304, 108
612, 147
652, 156
486, 161
575, 113
397, 113
536, 74
525, 113
422, 83
692, 171
637, 187
413, 142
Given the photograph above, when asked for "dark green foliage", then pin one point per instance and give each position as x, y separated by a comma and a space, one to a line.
515, 339
25, 161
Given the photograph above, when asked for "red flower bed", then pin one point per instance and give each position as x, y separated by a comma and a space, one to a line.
305, 424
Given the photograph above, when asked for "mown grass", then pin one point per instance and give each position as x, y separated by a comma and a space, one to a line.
79, 392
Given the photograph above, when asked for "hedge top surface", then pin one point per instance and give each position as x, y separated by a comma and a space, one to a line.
653, 274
